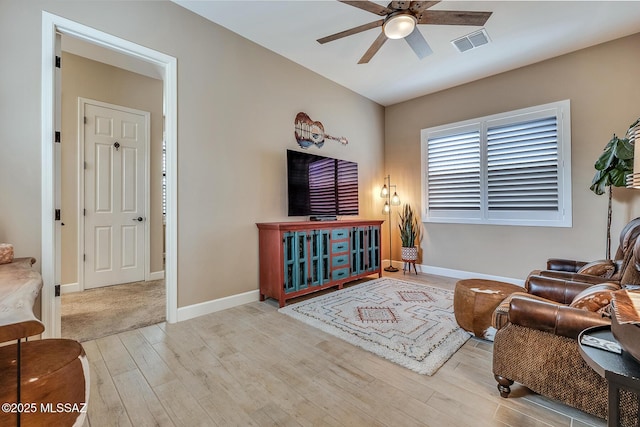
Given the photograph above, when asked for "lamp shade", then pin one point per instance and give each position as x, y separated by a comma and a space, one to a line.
386, 208
399, 26
384, 192
395, 199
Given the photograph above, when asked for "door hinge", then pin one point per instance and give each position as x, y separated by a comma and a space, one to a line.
58, 62
57, 290
57, 215
85, 120
57, 137
84, 257
84, 212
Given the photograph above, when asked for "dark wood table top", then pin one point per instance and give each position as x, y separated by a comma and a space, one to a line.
603, 361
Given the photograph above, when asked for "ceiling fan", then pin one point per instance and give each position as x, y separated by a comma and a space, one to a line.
400, 21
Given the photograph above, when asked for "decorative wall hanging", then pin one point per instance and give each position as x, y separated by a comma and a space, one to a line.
309, 132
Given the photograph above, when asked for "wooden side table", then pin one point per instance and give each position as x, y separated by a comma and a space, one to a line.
620, 370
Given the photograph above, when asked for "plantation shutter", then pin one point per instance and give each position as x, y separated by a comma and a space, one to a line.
453, 167
322, 187
522, 166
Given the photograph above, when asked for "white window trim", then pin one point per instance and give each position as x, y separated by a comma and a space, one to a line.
561, 218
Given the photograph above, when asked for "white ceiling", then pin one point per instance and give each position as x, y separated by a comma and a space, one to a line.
521, 33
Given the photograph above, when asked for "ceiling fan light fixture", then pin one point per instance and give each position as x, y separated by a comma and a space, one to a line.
399, 26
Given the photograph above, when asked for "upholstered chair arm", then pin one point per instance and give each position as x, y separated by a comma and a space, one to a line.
554, 289
574, 277
560, 264
548, 316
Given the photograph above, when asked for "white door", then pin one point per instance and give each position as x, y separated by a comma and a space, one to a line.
115, 150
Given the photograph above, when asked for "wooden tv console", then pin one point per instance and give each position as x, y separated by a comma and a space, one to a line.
298, 258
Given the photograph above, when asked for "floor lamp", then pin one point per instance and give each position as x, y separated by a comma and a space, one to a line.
391, 201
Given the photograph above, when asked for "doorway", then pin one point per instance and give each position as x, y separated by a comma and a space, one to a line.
52, 26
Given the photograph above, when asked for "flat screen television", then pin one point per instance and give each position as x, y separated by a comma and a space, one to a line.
321, 186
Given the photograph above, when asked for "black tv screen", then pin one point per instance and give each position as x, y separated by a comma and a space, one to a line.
319, 185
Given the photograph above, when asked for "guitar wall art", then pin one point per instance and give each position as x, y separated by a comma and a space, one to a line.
310, 133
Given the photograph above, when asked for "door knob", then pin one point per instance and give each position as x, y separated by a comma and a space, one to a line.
139, 219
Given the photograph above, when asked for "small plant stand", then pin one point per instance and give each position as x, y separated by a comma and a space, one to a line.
408, 263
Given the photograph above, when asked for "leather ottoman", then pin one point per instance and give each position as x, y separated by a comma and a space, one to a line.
474, 301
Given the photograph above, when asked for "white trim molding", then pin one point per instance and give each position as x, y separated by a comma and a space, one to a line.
69, 288
458, 274
156, 275
208, 307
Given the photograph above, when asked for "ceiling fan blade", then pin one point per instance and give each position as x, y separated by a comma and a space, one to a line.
373, 49
418, 44
453, 17
369, 6
351, 31
400, 5
419, 6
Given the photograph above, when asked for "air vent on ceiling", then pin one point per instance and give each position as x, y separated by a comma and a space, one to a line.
471, 41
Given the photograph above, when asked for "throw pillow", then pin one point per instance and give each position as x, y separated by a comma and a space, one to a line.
604, 268
6, 253
595, 298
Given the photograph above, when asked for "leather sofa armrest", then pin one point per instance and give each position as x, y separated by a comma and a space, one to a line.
574, 277
554, 289
551, 317
560, 264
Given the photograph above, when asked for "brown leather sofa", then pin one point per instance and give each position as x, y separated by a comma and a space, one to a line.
536, 339
601, 270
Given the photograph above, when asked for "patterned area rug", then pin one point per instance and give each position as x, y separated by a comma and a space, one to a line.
407, 323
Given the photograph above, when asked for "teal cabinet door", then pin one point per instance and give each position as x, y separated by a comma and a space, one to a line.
306, 259
365, 249
296, 261
319, 257
373, 249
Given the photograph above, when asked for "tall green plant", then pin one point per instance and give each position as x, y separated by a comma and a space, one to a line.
612, 168
409, 227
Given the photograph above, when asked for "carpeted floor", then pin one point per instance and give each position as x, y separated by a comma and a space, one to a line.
408, 323
99, 312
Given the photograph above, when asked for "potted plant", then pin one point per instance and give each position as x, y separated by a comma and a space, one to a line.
612, 168
409, 233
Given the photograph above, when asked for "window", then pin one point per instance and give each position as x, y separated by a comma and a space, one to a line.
512, 168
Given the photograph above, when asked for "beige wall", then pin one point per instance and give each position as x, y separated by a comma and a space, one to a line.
601, 83
82, 77
236, 107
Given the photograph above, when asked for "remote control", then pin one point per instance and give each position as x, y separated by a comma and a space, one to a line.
607, 345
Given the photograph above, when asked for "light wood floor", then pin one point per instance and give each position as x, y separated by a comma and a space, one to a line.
251, 366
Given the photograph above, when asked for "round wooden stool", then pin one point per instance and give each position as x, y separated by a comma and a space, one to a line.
54, 384
474, 301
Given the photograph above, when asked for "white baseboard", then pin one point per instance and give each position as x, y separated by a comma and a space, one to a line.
195, 310
200, 309
156, 275
457, 274
69, 288
75, 287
